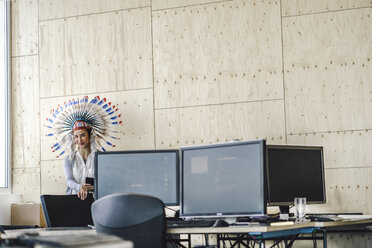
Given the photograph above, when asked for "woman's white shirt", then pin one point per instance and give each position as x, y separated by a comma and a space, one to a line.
76, 170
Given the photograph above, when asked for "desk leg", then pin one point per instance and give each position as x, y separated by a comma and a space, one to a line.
324, 238
206, 237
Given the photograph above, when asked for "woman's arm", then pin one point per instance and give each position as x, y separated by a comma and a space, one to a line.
70, 181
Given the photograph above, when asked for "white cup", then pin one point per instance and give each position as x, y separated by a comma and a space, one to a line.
300, 204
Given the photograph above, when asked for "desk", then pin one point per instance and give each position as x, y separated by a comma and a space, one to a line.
286, 233
256, 232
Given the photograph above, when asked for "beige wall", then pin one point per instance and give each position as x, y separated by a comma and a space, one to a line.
200, 71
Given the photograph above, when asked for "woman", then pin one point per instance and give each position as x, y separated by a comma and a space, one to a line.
81, 126
81, 164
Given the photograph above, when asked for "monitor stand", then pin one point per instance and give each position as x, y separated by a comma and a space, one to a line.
284, 212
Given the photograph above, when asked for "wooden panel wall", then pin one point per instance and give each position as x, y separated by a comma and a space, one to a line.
27, 182
169, 4
96, 53
328, 68
220, 123
25, 123
25, 109
198, 49
301, 7
53, 180
340, 240
201, 71
54, 9
24, 21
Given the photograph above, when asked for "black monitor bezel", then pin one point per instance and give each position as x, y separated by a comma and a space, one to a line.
98, 153
293, 147
226, 215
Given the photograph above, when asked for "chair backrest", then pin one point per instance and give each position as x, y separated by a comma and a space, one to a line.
135, 217
67, 210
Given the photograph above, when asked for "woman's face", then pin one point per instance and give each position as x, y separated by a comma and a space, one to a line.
81, 138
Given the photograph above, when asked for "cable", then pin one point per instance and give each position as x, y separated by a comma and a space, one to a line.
314, 238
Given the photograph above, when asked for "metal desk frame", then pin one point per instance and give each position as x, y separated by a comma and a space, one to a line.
288, 234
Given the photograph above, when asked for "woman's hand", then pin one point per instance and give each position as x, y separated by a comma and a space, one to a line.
84, 189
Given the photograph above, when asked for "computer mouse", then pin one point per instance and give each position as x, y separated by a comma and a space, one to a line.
220, 223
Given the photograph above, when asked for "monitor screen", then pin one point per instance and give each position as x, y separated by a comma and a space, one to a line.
224, 179
151, 172
294, 171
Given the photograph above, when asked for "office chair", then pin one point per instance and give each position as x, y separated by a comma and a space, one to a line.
67, 210
135, 217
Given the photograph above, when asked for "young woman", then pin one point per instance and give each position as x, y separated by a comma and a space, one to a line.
80, 165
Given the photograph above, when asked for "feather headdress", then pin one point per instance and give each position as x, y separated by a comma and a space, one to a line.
97, 115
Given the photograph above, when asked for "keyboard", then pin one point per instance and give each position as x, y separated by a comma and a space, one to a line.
333, 214
177, 222
267, 220
321, 218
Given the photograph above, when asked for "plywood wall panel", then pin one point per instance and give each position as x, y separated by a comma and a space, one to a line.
53, 178
97, 6
300, 7
341, 149
24, 21
53, 9
167, 4
348, 190
137, 131
217, 53
346, 240
220, 123
53, 58
137, 111
27, 182
340, 240
328, 69
25, 112
96, 53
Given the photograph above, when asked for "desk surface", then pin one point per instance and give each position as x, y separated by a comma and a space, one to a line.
74, 237
263, 228
48, 232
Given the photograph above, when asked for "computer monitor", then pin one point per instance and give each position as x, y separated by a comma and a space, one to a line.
294, 171
223, 180
150, 172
